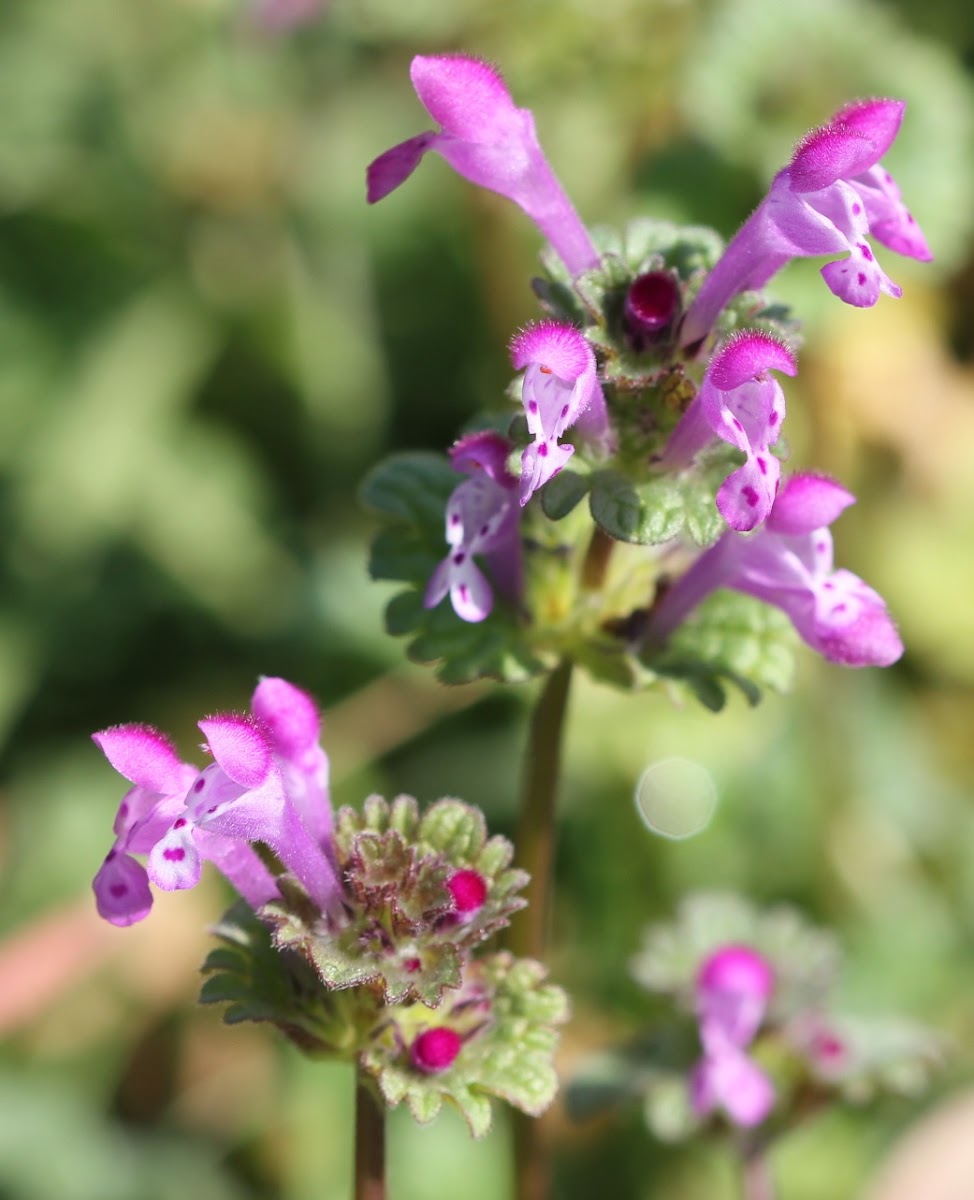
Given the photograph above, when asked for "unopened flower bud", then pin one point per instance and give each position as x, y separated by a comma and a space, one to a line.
468, 889
652, 305
436, 1049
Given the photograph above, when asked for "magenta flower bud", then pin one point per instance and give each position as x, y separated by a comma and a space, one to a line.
651, 308
487, 139
436, 1049
468, 889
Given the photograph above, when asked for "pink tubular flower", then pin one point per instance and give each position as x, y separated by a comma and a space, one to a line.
266, 776
491, 142
481, 518
741, 403
560, 388
826, 201
788, 563
149, 761
733, 988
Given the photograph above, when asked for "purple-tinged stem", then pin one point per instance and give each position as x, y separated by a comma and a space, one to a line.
370, 1142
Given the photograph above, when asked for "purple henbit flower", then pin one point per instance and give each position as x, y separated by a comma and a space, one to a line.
292, 720
560, 388
267, 784
148, 760
489, 141
733, 988
826, 201
481, 518
788, 563
741, 403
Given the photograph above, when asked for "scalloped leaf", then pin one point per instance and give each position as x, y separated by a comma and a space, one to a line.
560, 495
411, 491
730, 637
454, 829
411, 487
662, 506
259, 983
509, 1055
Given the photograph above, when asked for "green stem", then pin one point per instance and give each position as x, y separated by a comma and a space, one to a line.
370, 1142
596, 563
535, 847
535, 837
758, 1181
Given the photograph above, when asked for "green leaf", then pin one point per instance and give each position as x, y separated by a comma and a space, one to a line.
411, 491
665, 505
647, 512
560, 495
411, 487
454, 829
508, 1055
260, 983
733, 637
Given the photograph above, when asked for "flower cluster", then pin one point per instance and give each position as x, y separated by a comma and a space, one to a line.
662, 358
757, 985
361, 938
749, 1038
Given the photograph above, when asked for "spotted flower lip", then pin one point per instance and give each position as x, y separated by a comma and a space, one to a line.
560, 389
742, 404
789, 563
487, 139
833, 194
264, 785
481, 519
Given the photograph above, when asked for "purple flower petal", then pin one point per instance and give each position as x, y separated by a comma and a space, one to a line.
829, 154
481, 518
808, 502
830, 197
490, 141
290, 715
394, 167
877, 119
744, 406
174, 861
144, 756
467, 96
788, 563
239, 746
748, 354
732, 1081
560, 384
121, 889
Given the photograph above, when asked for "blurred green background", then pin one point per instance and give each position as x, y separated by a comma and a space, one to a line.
206, 338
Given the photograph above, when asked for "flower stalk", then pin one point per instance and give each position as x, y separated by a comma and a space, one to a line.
758, 1182
370, 1141
536, 854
